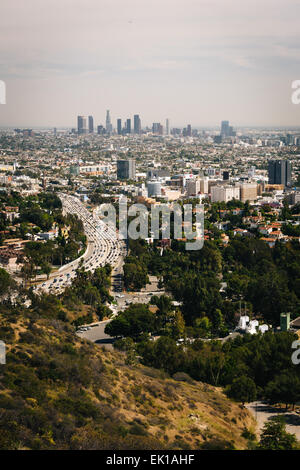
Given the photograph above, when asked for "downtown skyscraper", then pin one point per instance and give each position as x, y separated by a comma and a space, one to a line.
119, 126
82, 125
157, 128
280, 172
227, 130
91, 124
85, 125
126, 169
108, 124
167, 127
128, 126
136, 124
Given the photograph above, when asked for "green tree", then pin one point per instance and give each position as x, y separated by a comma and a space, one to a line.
203, 323
285, 388
46, 268
135, 275
162, 354
133, 322
6, 282
242, 389
275, 437
178, 326
217, 319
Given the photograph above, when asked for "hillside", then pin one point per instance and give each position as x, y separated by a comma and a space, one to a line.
60, 392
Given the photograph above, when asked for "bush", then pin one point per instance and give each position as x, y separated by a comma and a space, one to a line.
249, 435
137, 430
182, 377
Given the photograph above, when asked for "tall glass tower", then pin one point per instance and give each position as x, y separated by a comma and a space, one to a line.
137, 124
108, 124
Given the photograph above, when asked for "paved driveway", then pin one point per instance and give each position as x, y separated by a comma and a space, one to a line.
263, 412
97, 335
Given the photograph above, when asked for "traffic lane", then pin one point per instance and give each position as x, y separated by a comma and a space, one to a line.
92, 251
65, 269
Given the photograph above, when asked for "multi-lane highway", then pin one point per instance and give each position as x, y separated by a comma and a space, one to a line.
103, 247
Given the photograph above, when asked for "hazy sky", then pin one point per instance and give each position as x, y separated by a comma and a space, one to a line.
193, 61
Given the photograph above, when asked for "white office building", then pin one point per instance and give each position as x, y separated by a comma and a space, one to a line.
224, 193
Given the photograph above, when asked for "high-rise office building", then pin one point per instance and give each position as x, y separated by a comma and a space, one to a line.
217, 139
225, 128
204, 185
167, 127
119, 126
91, 125
232, 133
189, 130
280, 172
248, 192
224, 193
128, 126
193, 187
126, 169
82, 125
290, 139
79, 124
108, 124
157, 128
137, 124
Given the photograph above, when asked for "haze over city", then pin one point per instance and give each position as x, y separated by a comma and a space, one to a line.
192, 61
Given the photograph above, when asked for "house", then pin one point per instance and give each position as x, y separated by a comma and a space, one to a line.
277, 234
224, 238
252, 221
9, 256
270, 241
295, 326
11, 213
240, 231
265, 230
222, 225
50, 235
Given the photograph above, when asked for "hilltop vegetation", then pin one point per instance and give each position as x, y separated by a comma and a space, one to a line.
266, 279
60, 392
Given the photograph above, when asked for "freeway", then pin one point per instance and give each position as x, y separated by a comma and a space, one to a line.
103, 247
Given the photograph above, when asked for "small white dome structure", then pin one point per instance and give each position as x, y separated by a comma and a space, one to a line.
251, 328
263, 328
244, 320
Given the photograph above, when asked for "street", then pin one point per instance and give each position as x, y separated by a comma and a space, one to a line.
103, 247
263, 412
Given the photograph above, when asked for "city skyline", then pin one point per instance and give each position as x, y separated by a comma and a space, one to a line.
196, 62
